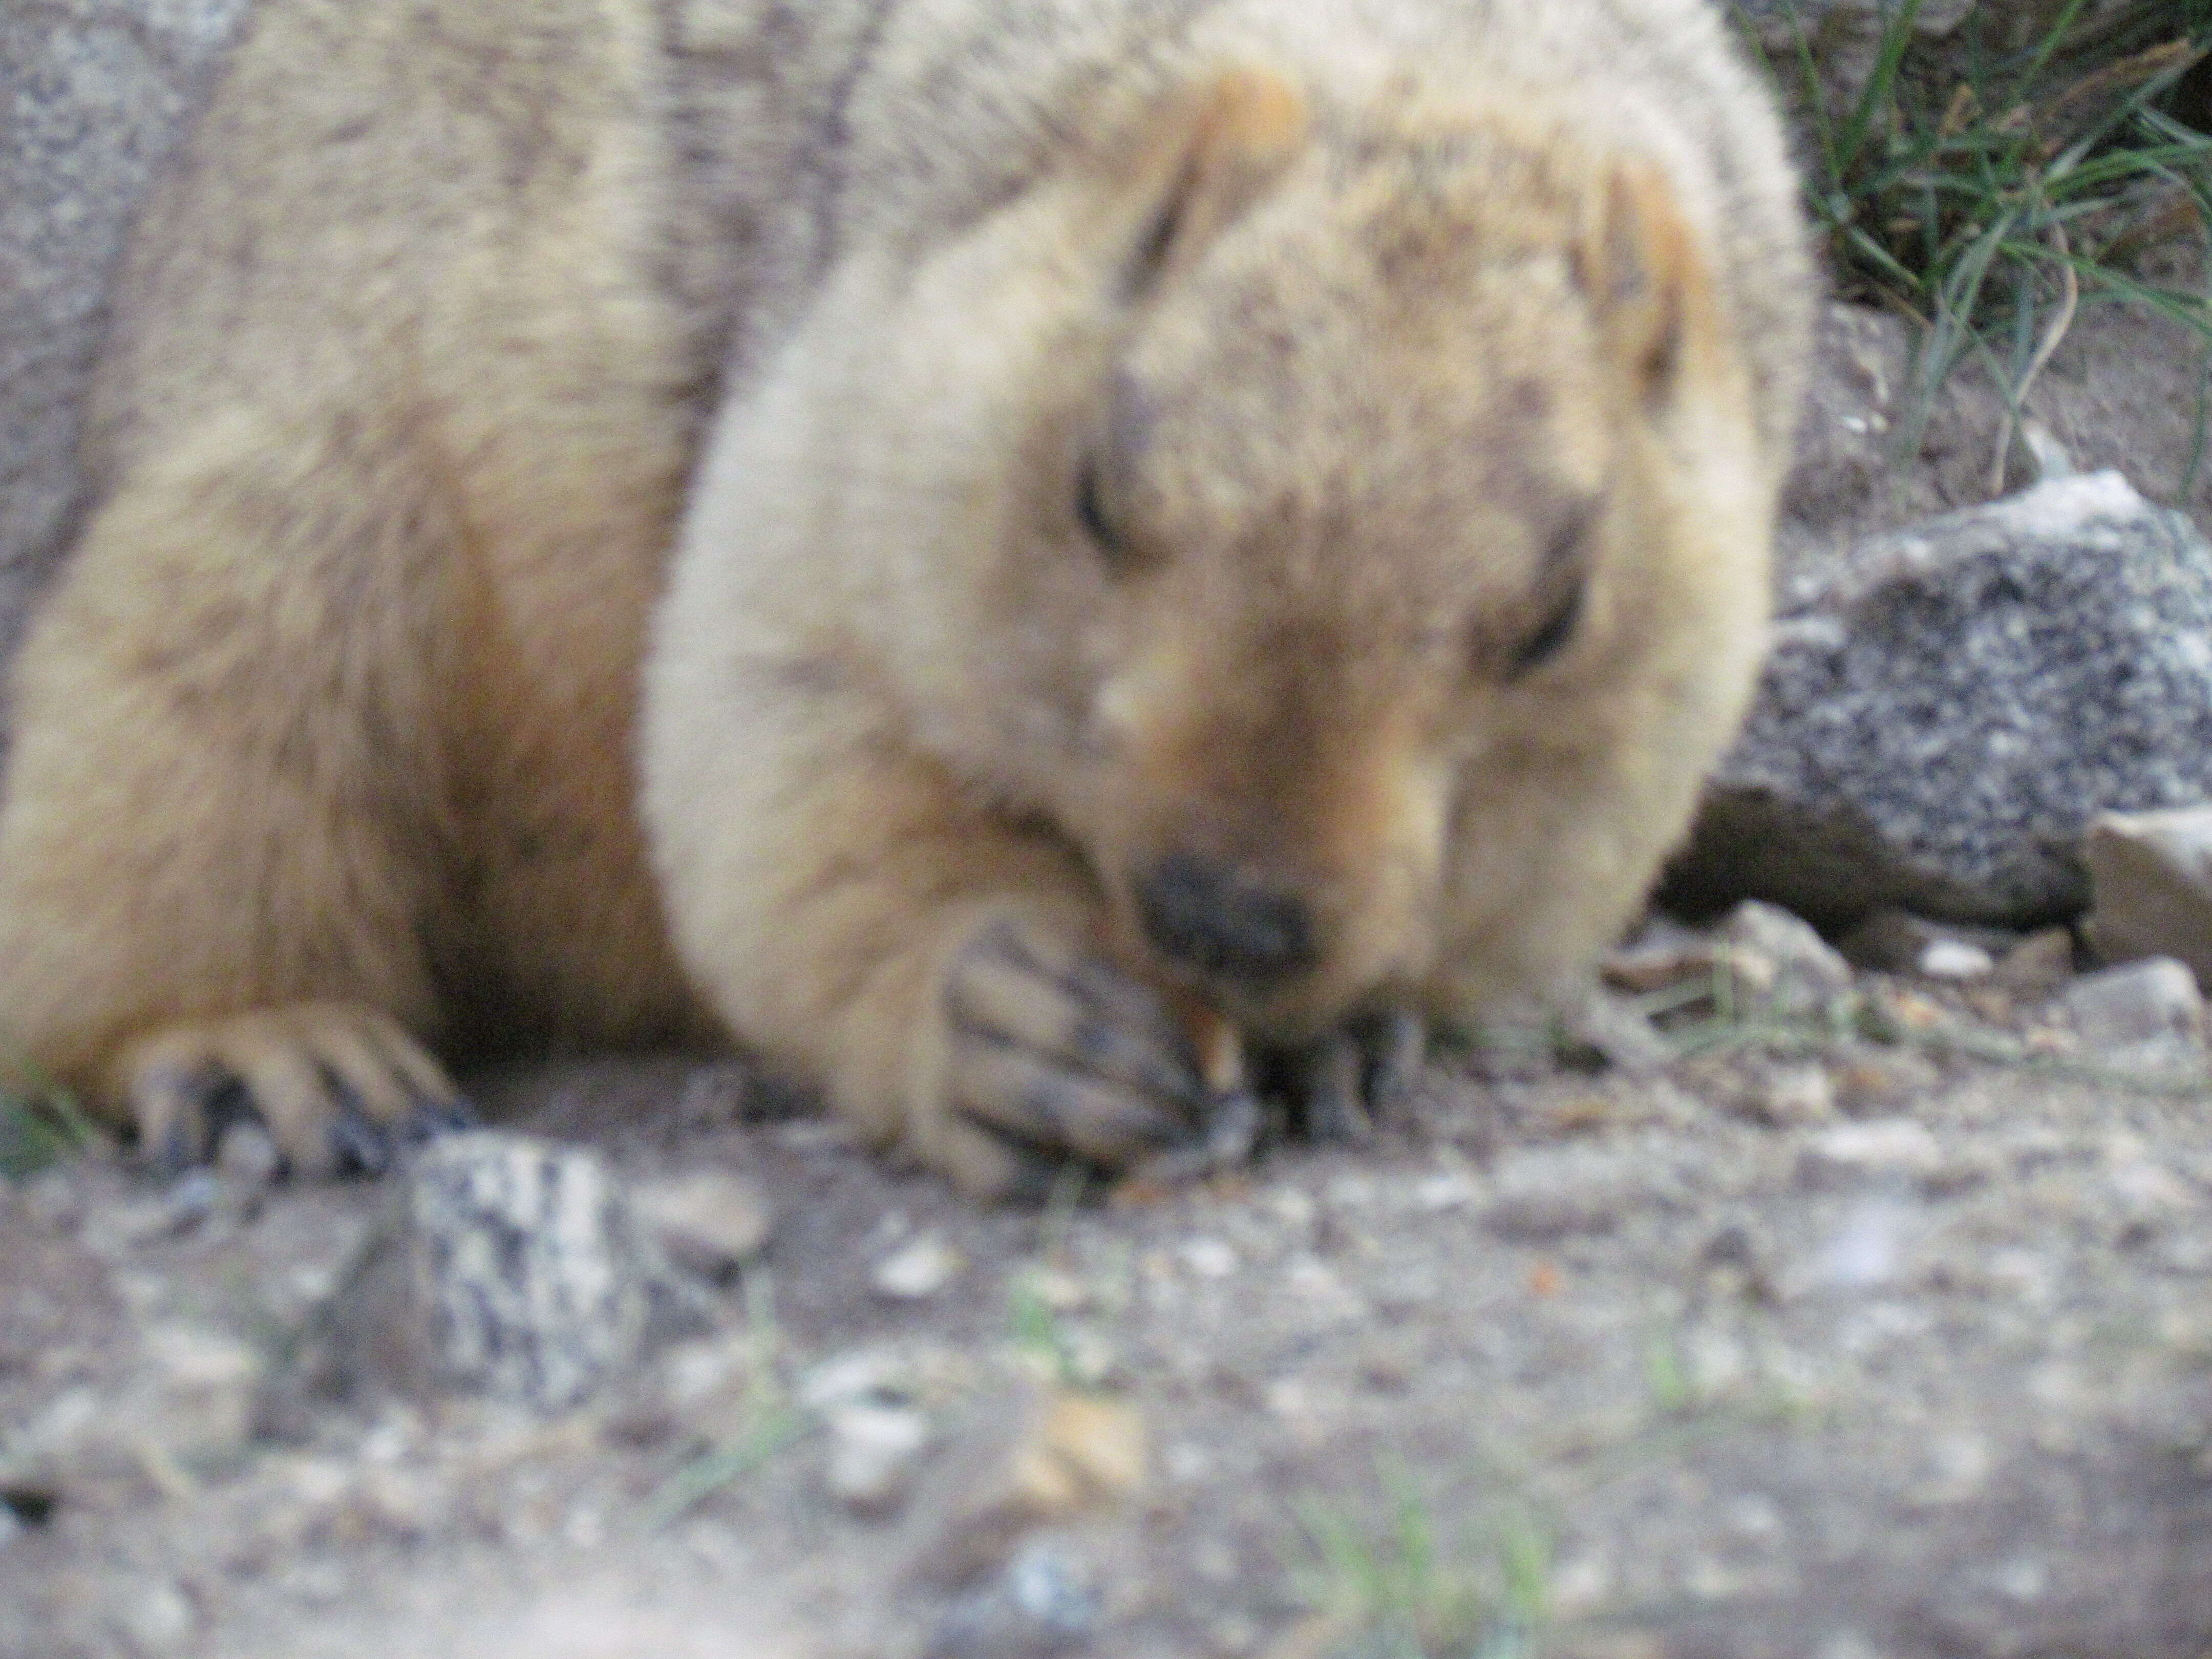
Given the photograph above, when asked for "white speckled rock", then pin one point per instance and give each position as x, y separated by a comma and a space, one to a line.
1937, 729
510, 1268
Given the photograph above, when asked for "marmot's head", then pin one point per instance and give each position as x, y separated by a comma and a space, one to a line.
1345, 528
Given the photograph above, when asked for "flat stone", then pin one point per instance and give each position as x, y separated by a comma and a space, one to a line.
1664, 954
2137, 1002
2150, 874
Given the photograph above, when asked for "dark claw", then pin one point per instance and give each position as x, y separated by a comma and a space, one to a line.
431, 1118
1233, 1122
180, 1148
361, 1142
1330, 1077
227, 1102
1231, 1135
1397, 1046
219, 1100
1115, 1052
1038, 1175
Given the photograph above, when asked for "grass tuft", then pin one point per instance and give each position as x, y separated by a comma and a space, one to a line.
1390, 1591
1992, 191
41, 1125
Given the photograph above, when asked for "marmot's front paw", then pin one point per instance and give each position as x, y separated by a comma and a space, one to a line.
1054, 1056
338, 1086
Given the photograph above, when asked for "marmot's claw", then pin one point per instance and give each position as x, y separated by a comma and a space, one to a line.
1233, 1123
1397, 1044
359, 1144
338, 1087
1355, 1078
1062, 1056
433, 1118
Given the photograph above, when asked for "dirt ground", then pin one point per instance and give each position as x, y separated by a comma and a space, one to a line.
1803, 1345
1812, 1344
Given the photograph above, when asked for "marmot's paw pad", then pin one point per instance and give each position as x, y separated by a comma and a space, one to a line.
1056, 1056
339, 1087
1357, 1077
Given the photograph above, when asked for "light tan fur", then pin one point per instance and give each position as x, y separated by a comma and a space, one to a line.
1375, 331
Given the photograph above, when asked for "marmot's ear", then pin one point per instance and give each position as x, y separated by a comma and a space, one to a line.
1638, 264
1207, 154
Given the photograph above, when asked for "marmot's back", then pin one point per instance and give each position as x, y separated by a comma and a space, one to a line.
951, 110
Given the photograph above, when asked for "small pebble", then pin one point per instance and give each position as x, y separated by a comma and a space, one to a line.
1056, 1589
1865, 1252
2149, 1188
1209, 1258
2040, 963
1804, 970
1031, 1460
918, 1269
1046, 1601
874, 1450
1894, 1148
1798, 1095
1954, 959
710, 1221
1664, 953
158, 1618
1890, 941
196, 1401
1544, 1194
858, 1376
1876, 1082
247, 1155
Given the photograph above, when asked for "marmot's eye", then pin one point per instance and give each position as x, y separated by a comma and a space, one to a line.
1112, 544
1552, 636
1090, 513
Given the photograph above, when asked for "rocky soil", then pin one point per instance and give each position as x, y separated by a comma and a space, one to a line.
1861, 1315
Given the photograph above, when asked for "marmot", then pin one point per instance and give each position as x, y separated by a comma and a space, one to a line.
1224, 503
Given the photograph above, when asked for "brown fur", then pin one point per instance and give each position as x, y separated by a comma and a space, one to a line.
1378, 329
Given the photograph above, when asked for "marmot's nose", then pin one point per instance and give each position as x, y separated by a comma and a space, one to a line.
1224, 922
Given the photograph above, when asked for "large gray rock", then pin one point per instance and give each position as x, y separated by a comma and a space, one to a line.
1937, 729
93, 93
